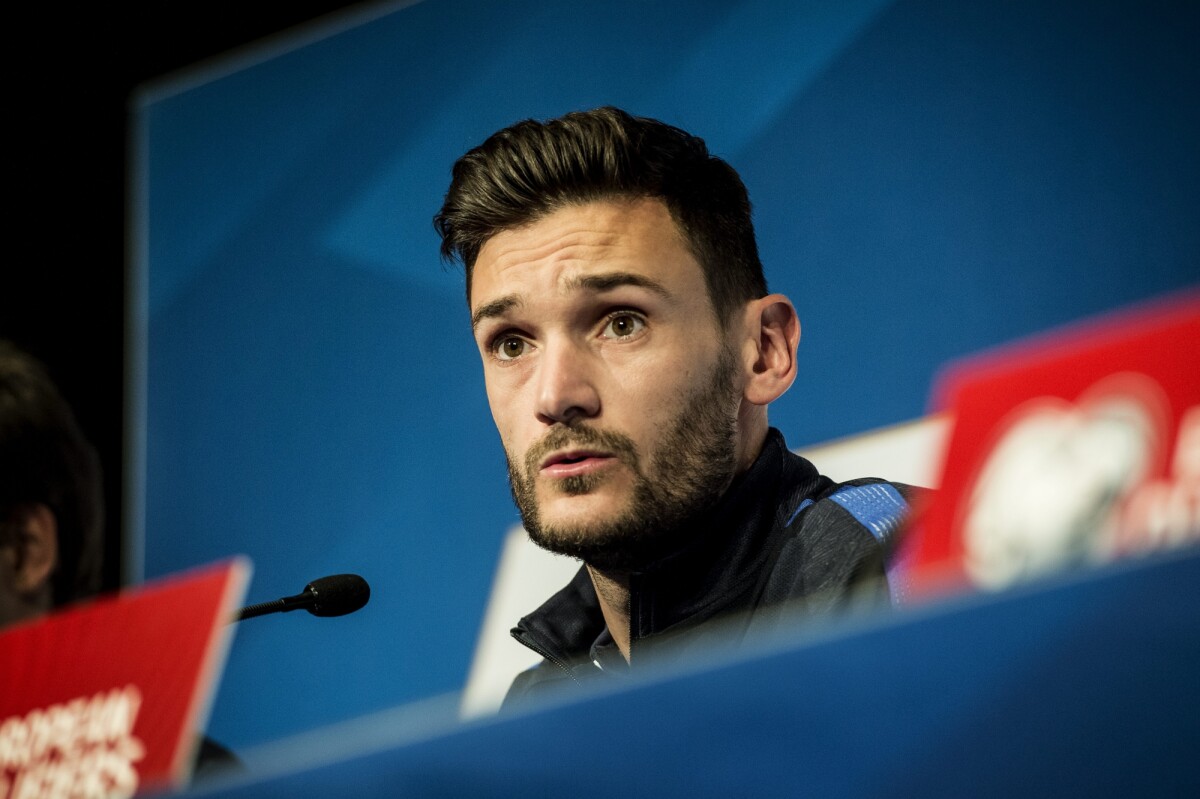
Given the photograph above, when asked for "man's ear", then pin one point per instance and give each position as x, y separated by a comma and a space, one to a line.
36, 550
773, 333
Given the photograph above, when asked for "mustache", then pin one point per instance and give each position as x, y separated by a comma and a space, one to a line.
580, 437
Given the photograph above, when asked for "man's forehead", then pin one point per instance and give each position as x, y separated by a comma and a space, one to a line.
591, 247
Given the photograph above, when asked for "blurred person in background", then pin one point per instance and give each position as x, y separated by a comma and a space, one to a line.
51, 506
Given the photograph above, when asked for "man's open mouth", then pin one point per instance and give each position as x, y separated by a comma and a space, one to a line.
574, 462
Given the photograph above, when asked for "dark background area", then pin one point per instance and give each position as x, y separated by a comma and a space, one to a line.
63, 294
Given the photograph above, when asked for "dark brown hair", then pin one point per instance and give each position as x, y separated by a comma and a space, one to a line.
530, 169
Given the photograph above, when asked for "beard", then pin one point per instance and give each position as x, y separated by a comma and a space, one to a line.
689, 471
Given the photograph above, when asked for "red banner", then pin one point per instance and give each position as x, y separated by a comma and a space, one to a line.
106, 699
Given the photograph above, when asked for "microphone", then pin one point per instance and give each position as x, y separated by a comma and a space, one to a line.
335, 595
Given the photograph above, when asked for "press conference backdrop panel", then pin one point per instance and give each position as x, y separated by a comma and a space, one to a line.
929, 179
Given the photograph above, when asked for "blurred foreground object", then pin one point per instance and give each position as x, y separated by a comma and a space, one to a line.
1077, 447
104, 699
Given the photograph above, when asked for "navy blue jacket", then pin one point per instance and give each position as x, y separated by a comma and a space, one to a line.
783, 540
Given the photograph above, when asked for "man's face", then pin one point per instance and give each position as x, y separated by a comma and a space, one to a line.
610, 382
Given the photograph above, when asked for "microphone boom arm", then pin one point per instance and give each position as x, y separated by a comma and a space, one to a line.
335, 595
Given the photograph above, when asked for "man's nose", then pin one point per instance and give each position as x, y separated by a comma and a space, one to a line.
566, 389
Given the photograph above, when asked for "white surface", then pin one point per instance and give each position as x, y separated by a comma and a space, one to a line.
526, 575
904, 453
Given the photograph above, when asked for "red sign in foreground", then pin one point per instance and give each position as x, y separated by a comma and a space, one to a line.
1077, 447
107, 699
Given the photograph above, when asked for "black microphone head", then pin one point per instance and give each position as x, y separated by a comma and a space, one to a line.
337, 594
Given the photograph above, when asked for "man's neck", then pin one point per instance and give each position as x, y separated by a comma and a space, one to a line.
612, 589
612, 586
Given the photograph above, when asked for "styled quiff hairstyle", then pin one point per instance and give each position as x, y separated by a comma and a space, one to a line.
45, 460
531, 169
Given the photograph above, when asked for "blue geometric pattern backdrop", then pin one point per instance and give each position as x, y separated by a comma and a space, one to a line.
929, 179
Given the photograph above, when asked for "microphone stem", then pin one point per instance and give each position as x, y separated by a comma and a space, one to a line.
275, 606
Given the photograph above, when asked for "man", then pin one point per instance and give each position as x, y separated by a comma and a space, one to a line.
630, 350
51, 512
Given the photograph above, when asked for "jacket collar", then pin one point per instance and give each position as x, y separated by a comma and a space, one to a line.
716, 572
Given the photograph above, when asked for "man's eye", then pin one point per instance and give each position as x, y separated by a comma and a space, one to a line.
507, 348
623, 325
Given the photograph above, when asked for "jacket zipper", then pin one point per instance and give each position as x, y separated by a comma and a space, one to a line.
546, 655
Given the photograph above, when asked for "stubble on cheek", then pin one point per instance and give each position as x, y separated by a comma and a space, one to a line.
692, 465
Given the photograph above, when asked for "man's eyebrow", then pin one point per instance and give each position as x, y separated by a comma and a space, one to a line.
595, 283
497, 307
611, 280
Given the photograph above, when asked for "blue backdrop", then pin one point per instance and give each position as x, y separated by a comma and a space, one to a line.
929, 178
